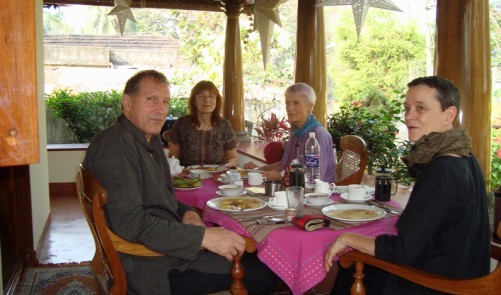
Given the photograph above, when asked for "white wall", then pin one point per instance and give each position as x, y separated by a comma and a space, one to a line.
63, 165
39, 180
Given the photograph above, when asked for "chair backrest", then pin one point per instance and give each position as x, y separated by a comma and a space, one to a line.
350, 169
106, 264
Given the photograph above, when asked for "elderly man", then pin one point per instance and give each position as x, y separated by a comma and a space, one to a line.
128, 159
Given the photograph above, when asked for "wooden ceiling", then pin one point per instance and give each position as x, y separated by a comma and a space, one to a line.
203, 5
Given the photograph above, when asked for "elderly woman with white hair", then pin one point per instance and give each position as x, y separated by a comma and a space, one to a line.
299, 101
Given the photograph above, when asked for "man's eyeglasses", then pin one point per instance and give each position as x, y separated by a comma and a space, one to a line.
202, 96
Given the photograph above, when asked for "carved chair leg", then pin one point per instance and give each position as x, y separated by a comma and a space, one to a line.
237, 274
358, 287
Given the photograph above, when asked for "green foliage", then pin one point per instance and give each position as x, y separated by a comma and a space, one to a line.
178, 107
371, 68
85, 113
273, 129
495, 180
377, 125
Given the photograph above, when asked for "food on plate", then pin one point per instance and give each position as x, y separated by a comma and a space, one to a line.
354, 214
238, 203
186, 182
201, 167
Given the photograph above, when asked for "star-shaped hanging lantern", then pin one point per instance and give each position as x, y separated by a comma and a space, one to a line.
360, 8
265, 17
123, 12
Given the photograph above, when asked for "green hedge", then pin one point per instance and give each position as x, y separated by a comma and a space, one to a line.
87, 113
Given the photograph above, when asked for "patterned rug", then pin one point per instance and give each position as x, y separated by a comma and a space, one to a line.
57, 280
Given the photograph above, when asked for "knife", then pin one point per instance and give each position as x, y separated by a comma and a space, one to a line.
384, 207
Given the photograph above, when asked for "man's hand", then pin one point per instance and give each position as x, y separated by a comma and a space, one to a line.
223, 242
192, 217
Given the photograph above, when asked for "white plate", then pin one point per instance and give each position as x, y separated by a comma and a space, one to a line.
225, 203
338, 211
344, 196
329, 202
187, 188
242, 192
207, 167
279, 208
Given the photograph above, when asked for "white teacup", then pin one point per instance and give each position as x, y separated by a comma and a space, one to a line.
175, 167
255, 178
279, 199
358, 191
324, 187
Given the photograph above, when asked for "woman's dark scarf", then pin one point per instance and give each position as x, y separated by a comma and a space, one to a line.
310, 123
436, 144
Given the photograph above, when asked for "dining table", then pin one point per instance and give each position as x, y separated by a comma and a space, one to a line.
294, 254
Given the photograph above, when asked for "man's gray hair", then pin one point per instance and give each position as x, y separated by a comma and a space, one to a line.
304, 90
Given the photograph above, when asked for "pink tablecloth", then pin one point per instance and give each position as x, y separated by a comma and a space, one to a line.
296, 256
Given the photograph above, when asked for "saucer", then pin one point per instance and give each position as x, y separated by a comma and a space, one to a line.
344, 196
241, 193
279, 208
328, 202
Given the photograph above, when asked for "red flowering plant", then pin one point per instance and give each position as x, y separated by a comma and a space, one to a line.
378, 126
272, 128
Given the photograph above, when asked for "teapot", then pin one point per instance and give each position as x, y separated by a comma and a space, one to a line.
324, 187
174, 166
383, 184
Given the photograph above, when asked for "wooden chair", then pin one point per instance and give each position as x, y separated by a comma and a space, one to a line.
106, 264
350, 169
489, 284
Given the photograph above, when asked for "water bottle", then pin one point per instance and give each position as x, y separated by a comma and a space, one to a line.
334, 153
312, 161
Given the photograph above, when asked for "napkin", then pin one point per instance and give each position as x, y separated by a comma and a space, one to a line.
175, 168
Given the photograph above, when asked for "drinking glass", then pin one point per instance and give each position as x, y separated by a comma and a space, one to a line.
295, 197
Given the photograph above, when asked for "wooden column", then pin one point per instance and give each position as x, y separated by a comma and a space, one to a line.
233, 86
463, 56
310, 53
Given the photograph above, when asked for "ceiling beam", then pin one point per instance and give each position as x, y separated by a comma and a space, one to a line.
201, 5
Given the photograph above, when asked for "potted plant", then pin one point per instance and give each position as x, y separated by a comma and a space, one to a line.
275, 131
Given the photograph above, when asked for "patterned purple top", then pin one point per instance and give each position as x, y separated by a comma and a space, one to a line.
199, 147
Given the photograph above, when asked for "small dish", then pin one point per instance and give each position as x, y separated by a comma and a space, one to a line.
317, 198
279, 208
344, 196
240, 193
340, 189
223, 179
329, 202
230, 190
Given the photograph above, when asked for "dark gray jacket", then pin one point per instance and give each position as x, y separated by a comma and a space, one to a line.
142, 208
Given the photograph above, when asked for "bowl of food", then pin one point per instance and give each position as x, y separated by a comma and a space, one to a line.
202, 173
230, 190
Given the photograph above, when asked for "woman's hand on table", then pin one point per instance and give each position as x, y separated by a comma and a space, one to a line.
223, 242
192, 217
345, 241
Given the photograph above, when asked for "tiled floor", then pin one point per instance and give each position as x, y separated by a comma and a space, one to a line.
68, 238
